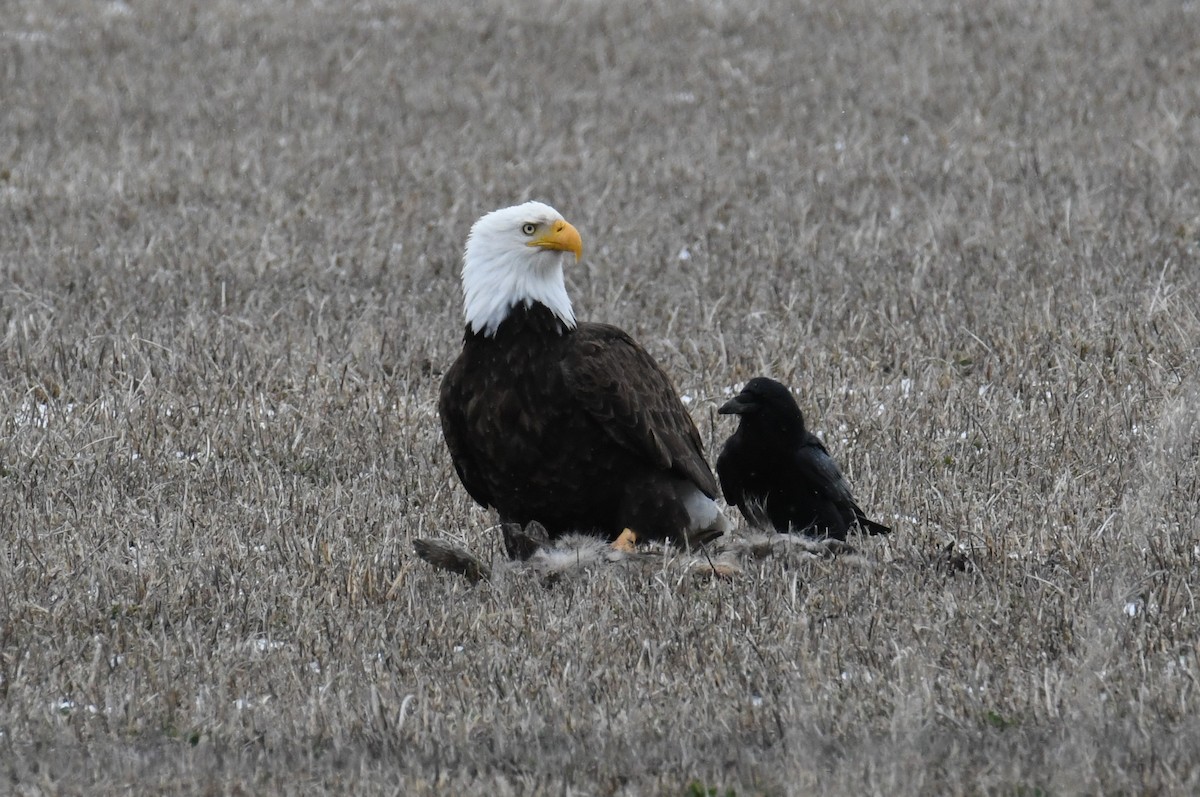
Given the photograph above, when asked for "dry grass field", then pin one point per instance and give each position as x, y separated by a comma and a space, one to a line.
968, 233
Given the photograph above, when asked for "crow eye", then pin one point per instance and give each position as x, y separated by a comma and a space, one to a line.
529, 228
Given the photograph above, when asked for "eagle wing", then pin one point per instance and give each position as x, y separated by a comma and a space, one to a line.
451, 402
628, 394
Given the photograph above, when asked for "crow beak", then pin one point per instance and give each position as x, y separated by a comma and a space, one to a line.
738, 405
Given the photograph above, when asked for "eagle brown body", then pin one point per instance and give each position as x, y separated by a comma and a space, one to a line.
571, 425
578, 429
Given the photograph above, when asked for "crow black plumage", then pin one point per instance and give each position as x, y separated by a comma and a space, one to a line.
779, 474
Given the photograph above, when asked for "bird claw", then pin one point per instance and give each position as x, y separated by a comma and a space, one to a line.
626, 542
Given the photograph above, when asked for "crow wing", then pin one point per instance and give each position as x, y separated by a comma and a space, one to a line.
821, 472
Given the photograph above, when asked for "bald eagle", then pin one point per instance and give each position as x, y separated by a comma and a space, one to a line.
573, 425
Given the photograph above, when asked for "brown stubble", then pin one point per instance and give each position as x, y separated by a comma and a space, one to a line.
230, 242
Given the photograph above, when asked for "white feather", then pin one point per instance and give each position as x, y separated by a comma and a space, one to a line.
500, 271
704, 512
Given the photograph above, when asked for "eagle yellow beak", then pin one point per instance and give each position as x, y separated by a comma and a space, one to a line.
561, 237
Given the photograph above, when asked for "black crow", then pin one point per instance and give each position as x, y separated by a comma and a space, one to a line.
779, 474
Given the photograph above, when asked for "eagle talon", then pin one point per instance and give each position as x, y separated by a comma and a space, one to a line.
626, 542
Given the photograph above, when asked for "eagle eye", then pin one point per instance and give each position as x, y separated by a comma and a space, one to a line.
529, 228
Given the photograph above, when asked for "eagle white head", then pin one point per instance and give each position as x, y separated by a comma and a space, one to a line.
515, 256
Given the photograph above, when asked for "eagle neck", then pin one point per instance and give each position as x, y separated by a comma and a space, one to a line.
495, 289
526, 320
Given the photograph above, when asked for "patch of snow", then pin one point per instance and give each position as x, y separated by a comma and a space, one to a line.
66, 705
37, 414
25, 35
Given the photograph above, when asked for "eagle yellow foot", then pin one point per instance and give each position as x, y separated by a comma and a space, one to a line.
626, 542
